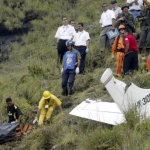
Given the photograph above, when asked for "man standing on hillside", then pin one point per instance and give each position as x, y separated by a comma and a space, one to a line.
82, 43
64, 33
117, 10
126, 19
144, 18
70, 68
14, 113
46, 107
135, 7
131, 52
107, 22
118, 47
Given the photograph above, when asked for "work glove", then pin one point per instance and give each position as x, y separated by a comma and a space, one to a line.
77, 70
62, 70
35, 120
87, 50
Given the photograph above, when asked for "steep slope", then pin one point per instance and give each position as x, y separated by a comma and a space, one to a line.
32, 68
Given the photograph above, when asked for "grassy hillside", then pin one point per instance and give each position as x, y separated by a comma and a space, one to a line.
32, 68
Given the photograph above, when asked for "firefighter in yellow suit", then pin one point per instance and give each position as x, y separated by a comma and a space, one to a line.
118, 47
46, 107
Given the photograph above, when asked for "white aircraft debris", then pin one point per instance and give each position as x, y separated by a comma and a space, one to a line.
113, 113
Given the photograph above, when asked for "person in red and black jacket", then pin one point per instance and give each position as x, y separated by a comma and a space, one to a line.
131, 52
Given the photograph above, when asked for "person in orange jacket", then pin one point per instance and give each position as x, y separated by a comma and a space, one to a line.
118, 47
148, 64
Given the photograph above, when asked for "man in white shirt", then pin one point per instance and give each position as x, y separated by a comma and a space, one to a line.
72, 23
107, 22
117, 10
82, 42
135, 7
64, 33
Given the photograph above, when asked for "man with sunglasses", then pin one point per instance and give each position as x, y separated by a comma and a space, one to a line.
64, 33
107, 22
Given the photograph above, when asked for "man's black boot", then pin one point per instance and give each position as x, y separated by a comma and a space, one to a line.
65, 91
147, 51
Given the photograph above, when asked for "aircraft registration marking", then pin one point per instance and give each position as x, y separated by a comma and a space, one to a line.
143, 101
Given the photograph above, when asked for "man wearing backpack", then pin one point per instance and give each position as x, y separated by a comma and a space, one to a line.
119, 48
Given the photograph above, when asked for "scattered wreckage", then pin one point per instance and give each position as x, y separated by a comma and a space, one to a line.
125, 98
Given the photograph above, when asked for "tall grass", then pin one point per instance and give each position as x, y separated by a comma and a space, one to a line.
32, 68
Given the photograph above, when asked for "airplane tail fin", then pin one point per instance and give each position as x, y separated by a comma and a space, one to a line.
125, 100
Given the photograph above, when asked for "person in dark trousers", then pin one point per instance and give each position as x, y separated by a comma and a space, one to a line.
144, 18
131, 52
82, 43
64, 33
70, 70
14, 113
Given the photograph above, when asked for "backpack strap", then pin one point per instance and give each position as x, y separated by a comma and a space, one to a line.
118, 39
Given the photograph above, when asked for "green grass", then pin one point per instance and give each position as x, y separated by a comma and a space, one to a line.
31, 69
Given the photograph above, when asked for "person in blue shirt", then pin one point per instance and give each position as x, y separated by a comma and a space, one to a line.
71, 68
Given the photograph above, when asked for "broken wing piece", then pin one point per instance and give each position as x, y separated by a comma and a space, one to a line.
104, 112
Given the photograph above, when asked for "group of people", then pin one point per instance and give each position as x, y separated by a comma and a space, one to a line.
73, 46
45, 109
125, 44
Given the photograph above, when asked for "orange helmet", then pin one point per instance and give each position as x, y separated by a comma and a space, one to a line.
121, 27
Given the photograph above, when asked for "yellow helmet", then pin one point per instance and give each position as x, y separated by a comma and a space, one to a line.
46, 94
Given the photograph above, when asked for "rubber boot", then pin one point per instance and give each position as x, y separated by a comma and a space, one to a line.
70, 92
65, 91
147, 51
140, 50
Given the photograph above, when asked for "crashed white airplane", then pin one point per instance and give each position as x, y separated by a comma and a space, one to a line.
125, 99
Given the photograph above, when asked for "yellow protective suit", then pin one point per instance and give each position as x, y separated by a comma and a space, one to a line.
47, 108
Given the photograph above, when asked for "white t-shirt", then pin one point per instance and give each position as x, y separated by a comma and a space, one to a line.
117, 11
80, 38
65, 32
106, 18
135, 6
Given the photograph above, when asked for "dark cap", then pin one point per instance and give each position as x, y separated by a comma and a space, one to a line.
8, 99
113, 2
125, 6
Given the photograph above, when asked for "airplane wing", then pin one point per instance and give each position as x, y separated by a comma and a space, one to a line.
99, 111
